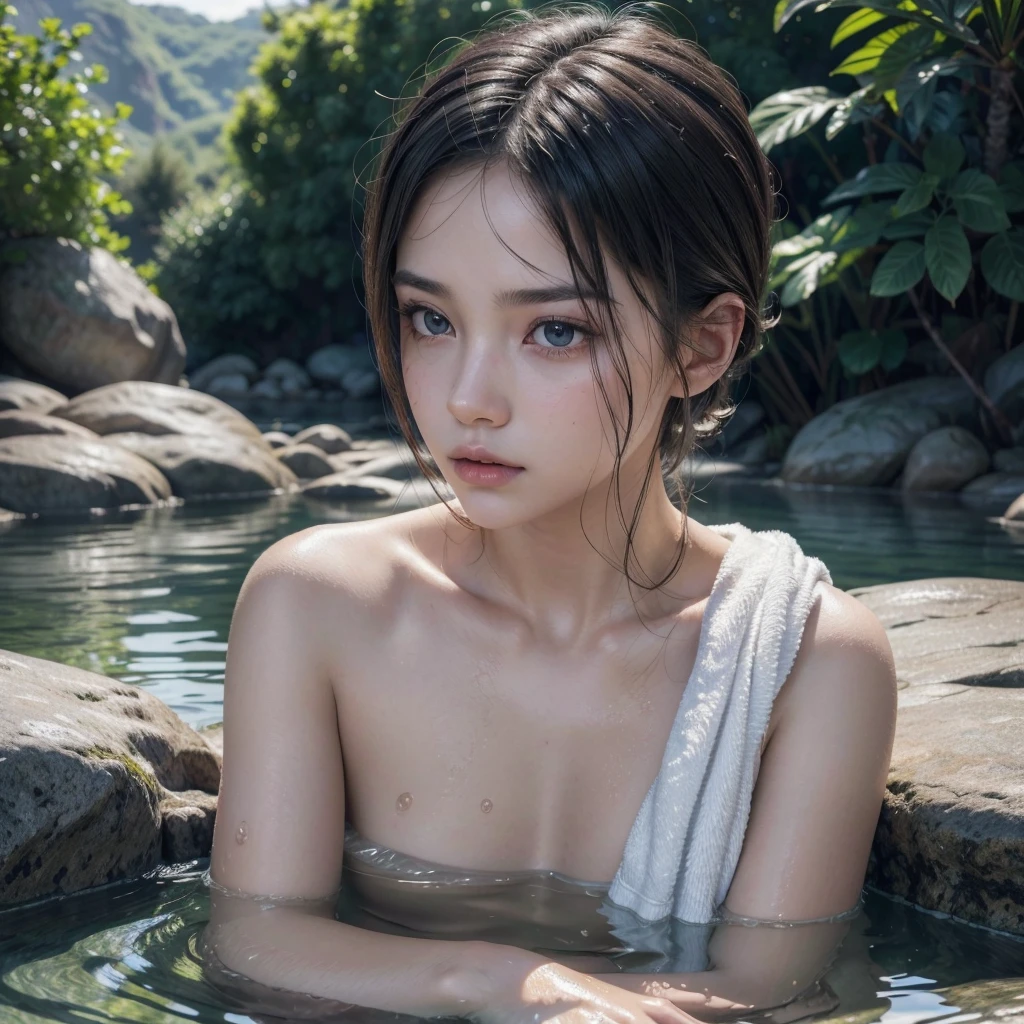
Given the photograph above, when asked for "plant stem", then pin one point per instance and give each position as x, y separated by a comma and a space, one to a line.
1011, 320
1003, 426
896, 135
829, 162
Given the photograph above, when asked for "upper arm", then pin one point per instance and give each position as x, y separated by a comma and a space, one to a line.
282, 781
822, 777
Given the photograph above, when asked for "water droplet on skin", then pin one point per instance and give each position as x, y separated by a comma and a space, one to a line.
486, 805
242, 833
404, 802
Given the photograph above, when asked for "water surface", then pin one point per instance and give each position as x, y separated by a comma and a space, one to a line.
147, 596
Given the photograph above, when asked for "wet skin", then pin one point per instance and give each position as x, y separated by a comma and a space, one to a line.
488, 697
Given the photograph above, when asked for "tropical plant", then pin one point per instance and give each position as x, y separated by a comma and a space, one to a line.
931, 221
56, 149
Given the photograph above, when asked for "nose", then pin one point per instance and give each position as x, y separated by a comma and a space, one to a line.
478, 391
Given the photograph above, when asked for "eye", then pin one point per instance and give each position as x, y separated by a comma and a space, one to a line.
427, 321
555, 338
557, 334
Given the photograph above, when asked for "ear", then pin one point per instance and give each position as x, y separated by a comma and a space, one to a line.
712, 346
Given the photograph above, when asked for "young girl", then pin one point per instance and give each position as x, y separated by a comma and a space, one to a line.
555, 684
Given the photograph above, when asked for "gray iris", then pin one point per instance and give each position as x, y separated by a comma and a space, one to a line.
432, 320
558, 334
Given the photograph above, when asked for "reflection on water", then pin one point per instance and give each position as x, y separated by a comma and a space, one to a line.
147, 596
132, 953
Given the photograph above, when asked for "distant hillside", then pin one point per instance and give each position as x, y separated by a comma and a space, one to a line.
179, 71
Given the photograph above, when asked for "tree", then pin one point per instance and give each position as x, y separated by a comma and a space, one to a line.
55, 149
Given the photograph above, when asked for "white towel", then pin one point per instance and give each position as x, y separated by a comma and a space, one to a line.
684, 845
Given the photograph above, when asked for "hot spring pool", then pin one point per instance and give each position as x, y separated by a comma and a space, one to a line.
147, 597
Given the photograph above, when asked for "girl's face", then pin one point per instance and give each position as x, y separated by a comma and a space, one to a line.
495, 353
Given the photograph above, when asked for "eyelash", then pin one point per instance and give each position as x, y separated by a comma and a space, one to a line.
410, 308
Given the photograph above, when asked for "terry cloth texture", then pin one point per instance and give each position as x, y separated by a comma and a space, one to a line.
684, 845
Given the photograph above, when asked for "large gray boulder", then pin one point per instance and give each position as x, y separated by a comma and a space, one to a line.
951, 833
99, 781
82, 318
48, 473
944, 460
1004, 383
866, 440
27, 395
221, 464
145, 408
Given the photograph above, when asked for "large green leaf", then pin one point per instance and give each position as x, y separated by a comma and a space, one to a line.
861, 351
854, 23
788, 114
817, 235
912, 226
806, 280
944, 155
871, 54
875, 179
854, 108
894, 348
918, 196
936, 18
947, 255
910, 48
1011, 184
899, 269
864, 228
1002, 263
978, 201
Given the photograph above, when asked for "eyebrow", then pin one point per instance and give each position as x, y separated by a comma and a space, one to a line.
509, 297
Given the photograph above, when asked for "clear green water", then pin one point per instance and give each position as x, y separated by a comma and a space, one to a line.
147, 597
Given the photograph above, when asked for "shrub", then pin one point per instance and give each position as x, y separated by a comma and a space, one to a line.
55, 149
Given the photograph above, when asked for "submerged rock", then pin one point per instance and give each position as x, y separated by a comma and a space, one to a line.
994, 490
951, 833
98, 781
306, 461
329, 438
48, 473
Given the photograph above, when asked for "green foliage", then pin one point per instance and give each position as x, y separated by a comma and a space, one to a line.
299, 140
55, 146
154, 183
928, 222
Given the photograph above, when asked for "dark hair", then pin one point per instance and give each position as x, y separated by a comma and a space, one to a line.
631, 141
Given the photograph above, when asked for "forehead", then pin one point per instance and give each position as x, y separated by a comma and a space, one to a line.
471, 217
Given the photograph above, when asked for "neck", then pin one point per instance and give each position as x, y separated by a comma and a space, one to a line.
562, 574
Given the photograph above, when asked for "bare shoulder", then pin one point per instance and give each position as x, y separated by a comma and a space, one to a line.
845, 662
355, 562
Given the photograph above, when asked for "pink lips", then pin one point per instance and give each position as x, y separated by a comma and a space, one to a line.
485, 474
